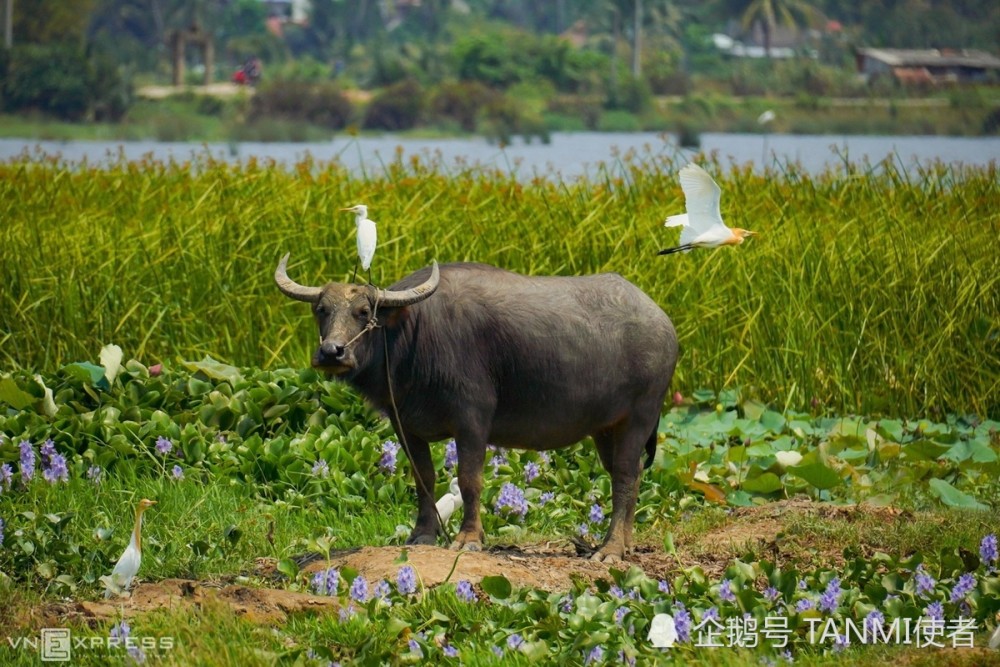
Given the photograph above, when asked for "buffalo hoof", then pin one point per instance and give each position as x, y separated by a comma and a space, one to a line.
467, 542
423, 538
609, 554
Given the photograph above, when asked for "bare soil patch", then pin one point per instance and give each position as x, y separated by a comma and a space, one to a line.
551, 566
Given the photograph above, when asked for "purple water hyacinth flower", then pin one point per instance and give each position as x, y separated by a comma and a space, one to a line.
595, 656
94, 474
415, 648
802, 584
345, 613
497, 651
2, 526
326, 582
27, 460
663, 586
321, 468
164, 446
963, 587
583, 530
771, 594
120, 632
450, 454
406, 580
514, 641
390, 448
625, 659
359, 589
620, 614
726, 591
805, 604
546, 497
531, 472
840, 642
830, 599
874, 621
47, 449
449, 651
616, 591
682, 622
545, 457
567, 604
6, 475
56, 470
596, 513
464, 591
925, 582
711, 614
511, 500
935, 611
177, 472
499, 459
988, 549
381, 591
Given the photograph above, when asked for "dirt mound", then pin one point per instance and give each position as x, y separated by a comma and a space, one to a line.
551, 566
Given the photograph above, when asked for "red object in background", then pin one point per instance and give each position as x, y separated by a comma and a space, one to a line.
240, 77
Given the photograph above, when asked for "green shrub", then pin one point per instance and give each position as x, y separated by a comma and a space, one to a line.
397, 107
321, 104
618, 121
51, 79
461, 101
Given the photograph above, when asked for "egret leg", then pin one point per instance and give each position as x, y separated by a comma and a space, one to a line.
370, 276
355, 270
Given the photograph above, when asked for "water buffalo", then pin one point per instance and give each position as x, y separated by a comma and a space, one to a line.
483, 355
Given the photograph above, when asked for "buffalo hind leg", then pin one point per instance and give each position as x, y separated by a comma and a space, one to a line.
471, 458
624, 446
426, 529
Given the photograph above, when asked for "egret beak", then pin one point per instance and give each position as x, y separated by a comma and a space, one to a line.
352, 209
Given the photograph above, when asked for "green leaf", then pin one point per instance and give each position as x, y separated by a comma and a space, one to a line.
767, 482
817, 474
84, 371
215, 370
773, 421
395, 626
926, 450
14, 396
952, 497
498, 586
288, 567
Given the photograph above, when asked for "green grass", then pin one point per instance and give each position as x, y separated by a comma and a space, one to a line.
869, 289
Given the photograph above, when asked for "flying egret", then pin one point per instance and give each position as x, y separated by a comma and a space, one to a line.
128, 565
367, 237
702, 224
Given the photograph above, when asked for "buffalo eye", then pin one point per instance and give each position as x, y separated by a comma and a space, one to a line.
320, 311
364, 313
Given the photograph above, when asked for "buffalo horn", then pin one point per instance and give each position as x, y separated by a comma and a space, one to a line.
291, 288
400, 298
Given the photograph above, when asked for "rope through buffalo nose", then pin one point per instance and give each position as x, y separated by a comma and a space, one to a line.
372, 324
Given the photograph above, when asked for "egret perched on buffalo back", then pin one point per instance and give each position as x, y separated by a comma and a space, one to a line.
367, 237
128, 565
702, 224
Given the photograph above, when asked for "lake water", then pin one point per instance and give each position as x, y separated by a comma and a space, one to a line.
568, 155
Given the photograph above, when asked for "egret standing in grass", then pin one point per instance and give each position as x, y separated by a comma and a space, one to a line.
702, 224
128, 565
367, 237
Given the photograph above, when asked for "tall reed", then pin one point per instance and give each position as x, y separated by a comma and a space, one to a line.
869, 288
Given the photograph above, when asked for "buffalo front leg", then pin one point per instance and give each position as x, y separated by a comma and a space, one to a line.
426, 529
626, 466
471, 457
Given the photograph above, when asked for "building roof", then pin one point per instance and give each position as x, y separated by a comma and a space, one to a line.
933, 57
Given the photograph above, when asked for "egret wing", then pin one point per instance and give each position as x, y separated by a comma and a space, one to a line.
701, 198
367, 240
680, 220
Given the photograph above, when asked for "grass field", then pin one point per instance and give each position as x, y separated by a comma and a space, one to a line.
832, 457
869, 289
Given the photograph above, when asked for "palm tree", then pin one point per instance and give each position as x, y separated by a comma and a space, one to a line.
772, 13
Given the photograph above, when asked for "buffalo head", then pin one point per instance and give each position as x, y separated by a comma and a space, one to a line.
343, 312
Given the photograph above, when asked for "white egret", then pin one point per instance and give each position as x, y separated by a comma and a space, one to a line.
367, 238
702, 224
128, 565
